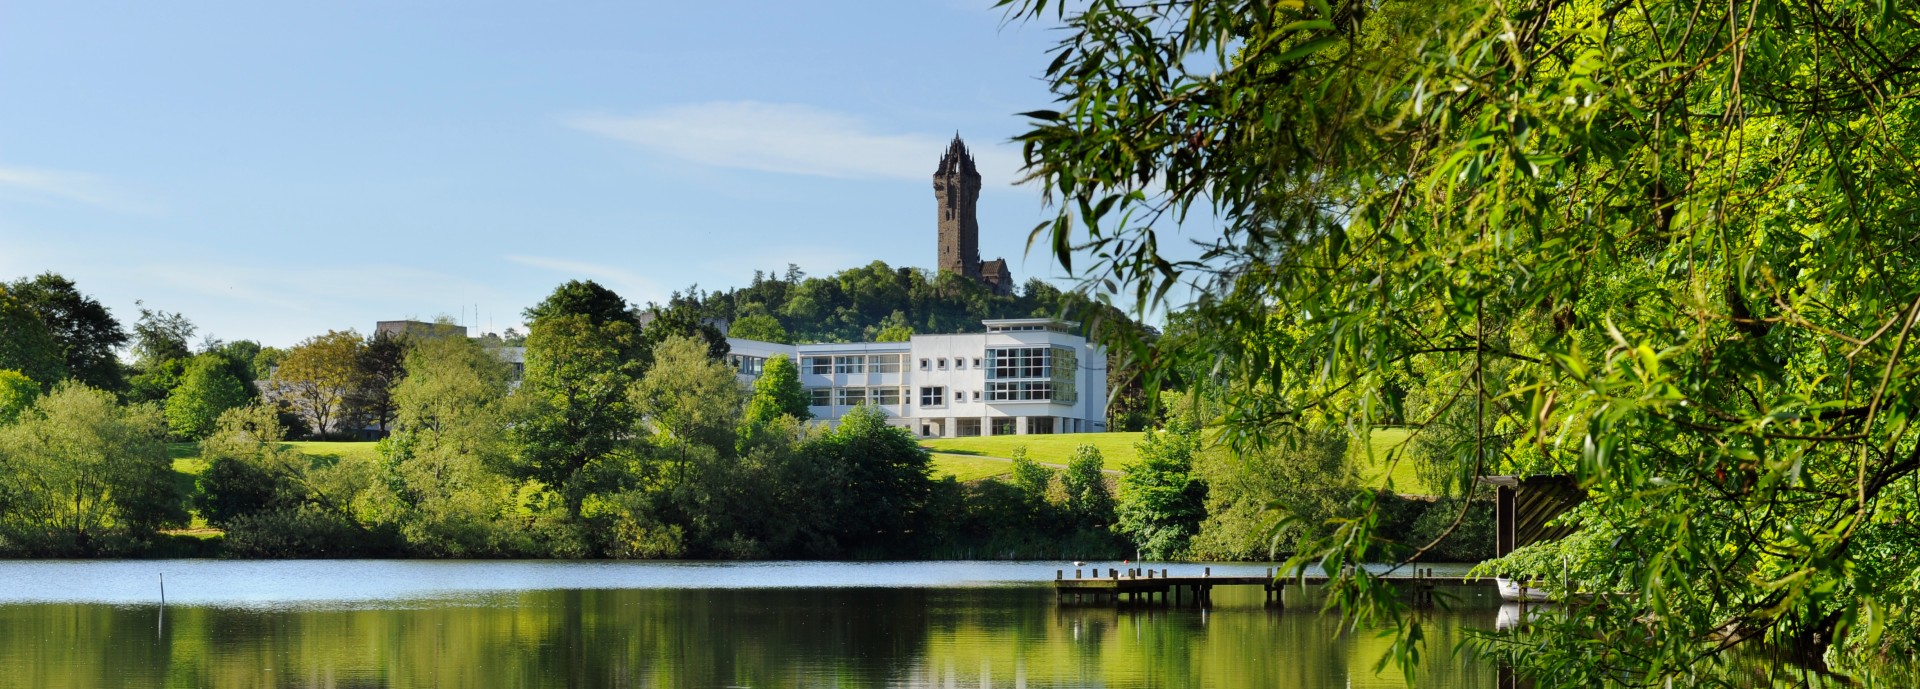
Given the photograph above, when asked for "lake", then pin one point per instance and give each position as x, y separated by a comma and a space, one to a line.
623, 624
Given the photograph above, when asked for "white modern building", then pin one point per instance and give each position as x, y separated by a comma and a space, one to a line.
1020, 377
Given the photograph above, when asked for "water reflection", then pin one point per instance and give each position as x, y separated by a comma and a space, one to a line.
989, 637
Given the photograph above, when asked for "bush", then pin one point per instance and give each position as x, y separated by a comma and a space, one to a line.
304, 531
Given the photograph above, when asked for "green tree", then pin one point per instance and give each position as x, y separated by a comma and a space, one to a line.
25, 343
588, 299
1082, 492
1661, 247
81, 473
577, 413
318, 376
760, 326
85, 330
777, 392
688, 400
444, 490
879, 483
1161, 500
249, 471
160, 336
17, 392
381, 366
207, 390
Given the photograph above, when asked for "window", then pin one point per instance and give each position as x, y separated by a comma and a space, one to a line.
933, 397
966, 428
960, 363
1020, 391
1039, 425
849, 364
849, 397
820, 397
749, 365
943, 363
817, 365
976, 395
1004, 426
1019, 362
884, 363
926, 364
888, 396
976, 362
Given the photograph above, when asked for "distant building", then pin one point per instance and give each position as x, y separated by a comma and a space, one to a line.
956, 186
418, 329
1026, 376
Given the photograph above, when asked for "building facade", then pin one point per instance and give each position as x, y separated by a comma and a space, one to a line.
1027, 376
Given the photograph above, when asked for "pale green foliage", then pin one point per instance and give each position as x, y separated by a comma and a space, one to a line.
442, 485
688, 398
1161, 500
17, 392
77, 468
207, 390
1664, 247
316, 377
1306, 476
777, 392
894, 333
1028, 475
575, 411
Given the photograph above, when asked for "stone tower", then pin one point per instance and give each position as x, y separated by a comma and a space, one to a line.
956, 186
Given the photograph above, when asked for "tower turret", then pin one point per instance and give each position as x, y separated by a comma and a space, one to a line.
956, 185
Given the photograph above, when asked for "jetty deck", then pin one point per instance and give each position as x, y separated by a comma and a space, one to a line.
1148, 586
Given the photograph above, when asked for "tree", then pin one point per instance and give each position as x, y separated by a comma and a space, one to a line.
80, 471
380, 367
577, 411
85, 330
207, 389
777, 392
760, 326
688, 400
160, 336
597, 304
445, 490
880, 482
25, 343
17, 392
1083, 494
1662, 248
317, 377
1161, 501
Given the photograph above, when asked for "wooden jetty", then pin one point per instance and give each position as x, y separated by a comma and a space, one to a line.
1149, 586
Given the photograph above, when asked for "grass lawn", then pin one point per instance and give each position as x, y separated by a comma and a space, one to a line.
1118, 450
964, 468
1115, 448
1406, 479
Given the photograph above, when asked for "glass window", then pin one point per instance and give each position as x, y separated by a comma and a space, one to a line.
943, 363
849, 364
849, 397
960, 363
926, 364
933, 397
1020, 391
976, 362
1004, 426
820, 397
817, 365
888, 396
1019, 362
884, 363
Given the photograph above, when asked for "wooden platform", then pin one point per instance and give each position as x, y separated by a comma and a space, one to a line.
1138, 585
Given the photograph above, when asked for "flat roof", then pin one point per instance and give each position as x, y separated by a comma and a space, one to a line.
1030, 321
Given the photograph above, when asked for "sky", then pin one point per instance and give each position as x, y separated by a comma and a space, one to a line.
277, 170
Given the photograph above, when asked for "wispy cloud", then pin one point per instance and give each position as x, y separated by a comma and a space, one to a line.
73, 187
790, 138
636, 288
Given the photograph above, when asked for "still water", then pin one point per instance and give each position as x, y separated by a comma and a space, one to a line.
548, 624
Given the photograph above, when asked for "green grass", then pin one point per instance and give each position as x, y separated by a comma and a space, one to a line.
964, 468
1118, 450
1115, 448
1406, 478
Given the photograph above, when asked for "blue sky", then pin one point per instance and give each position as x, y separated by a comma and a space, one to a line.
274, 171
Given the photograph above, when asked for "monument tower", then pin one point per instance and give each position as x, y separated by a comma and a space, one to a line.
956, 186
